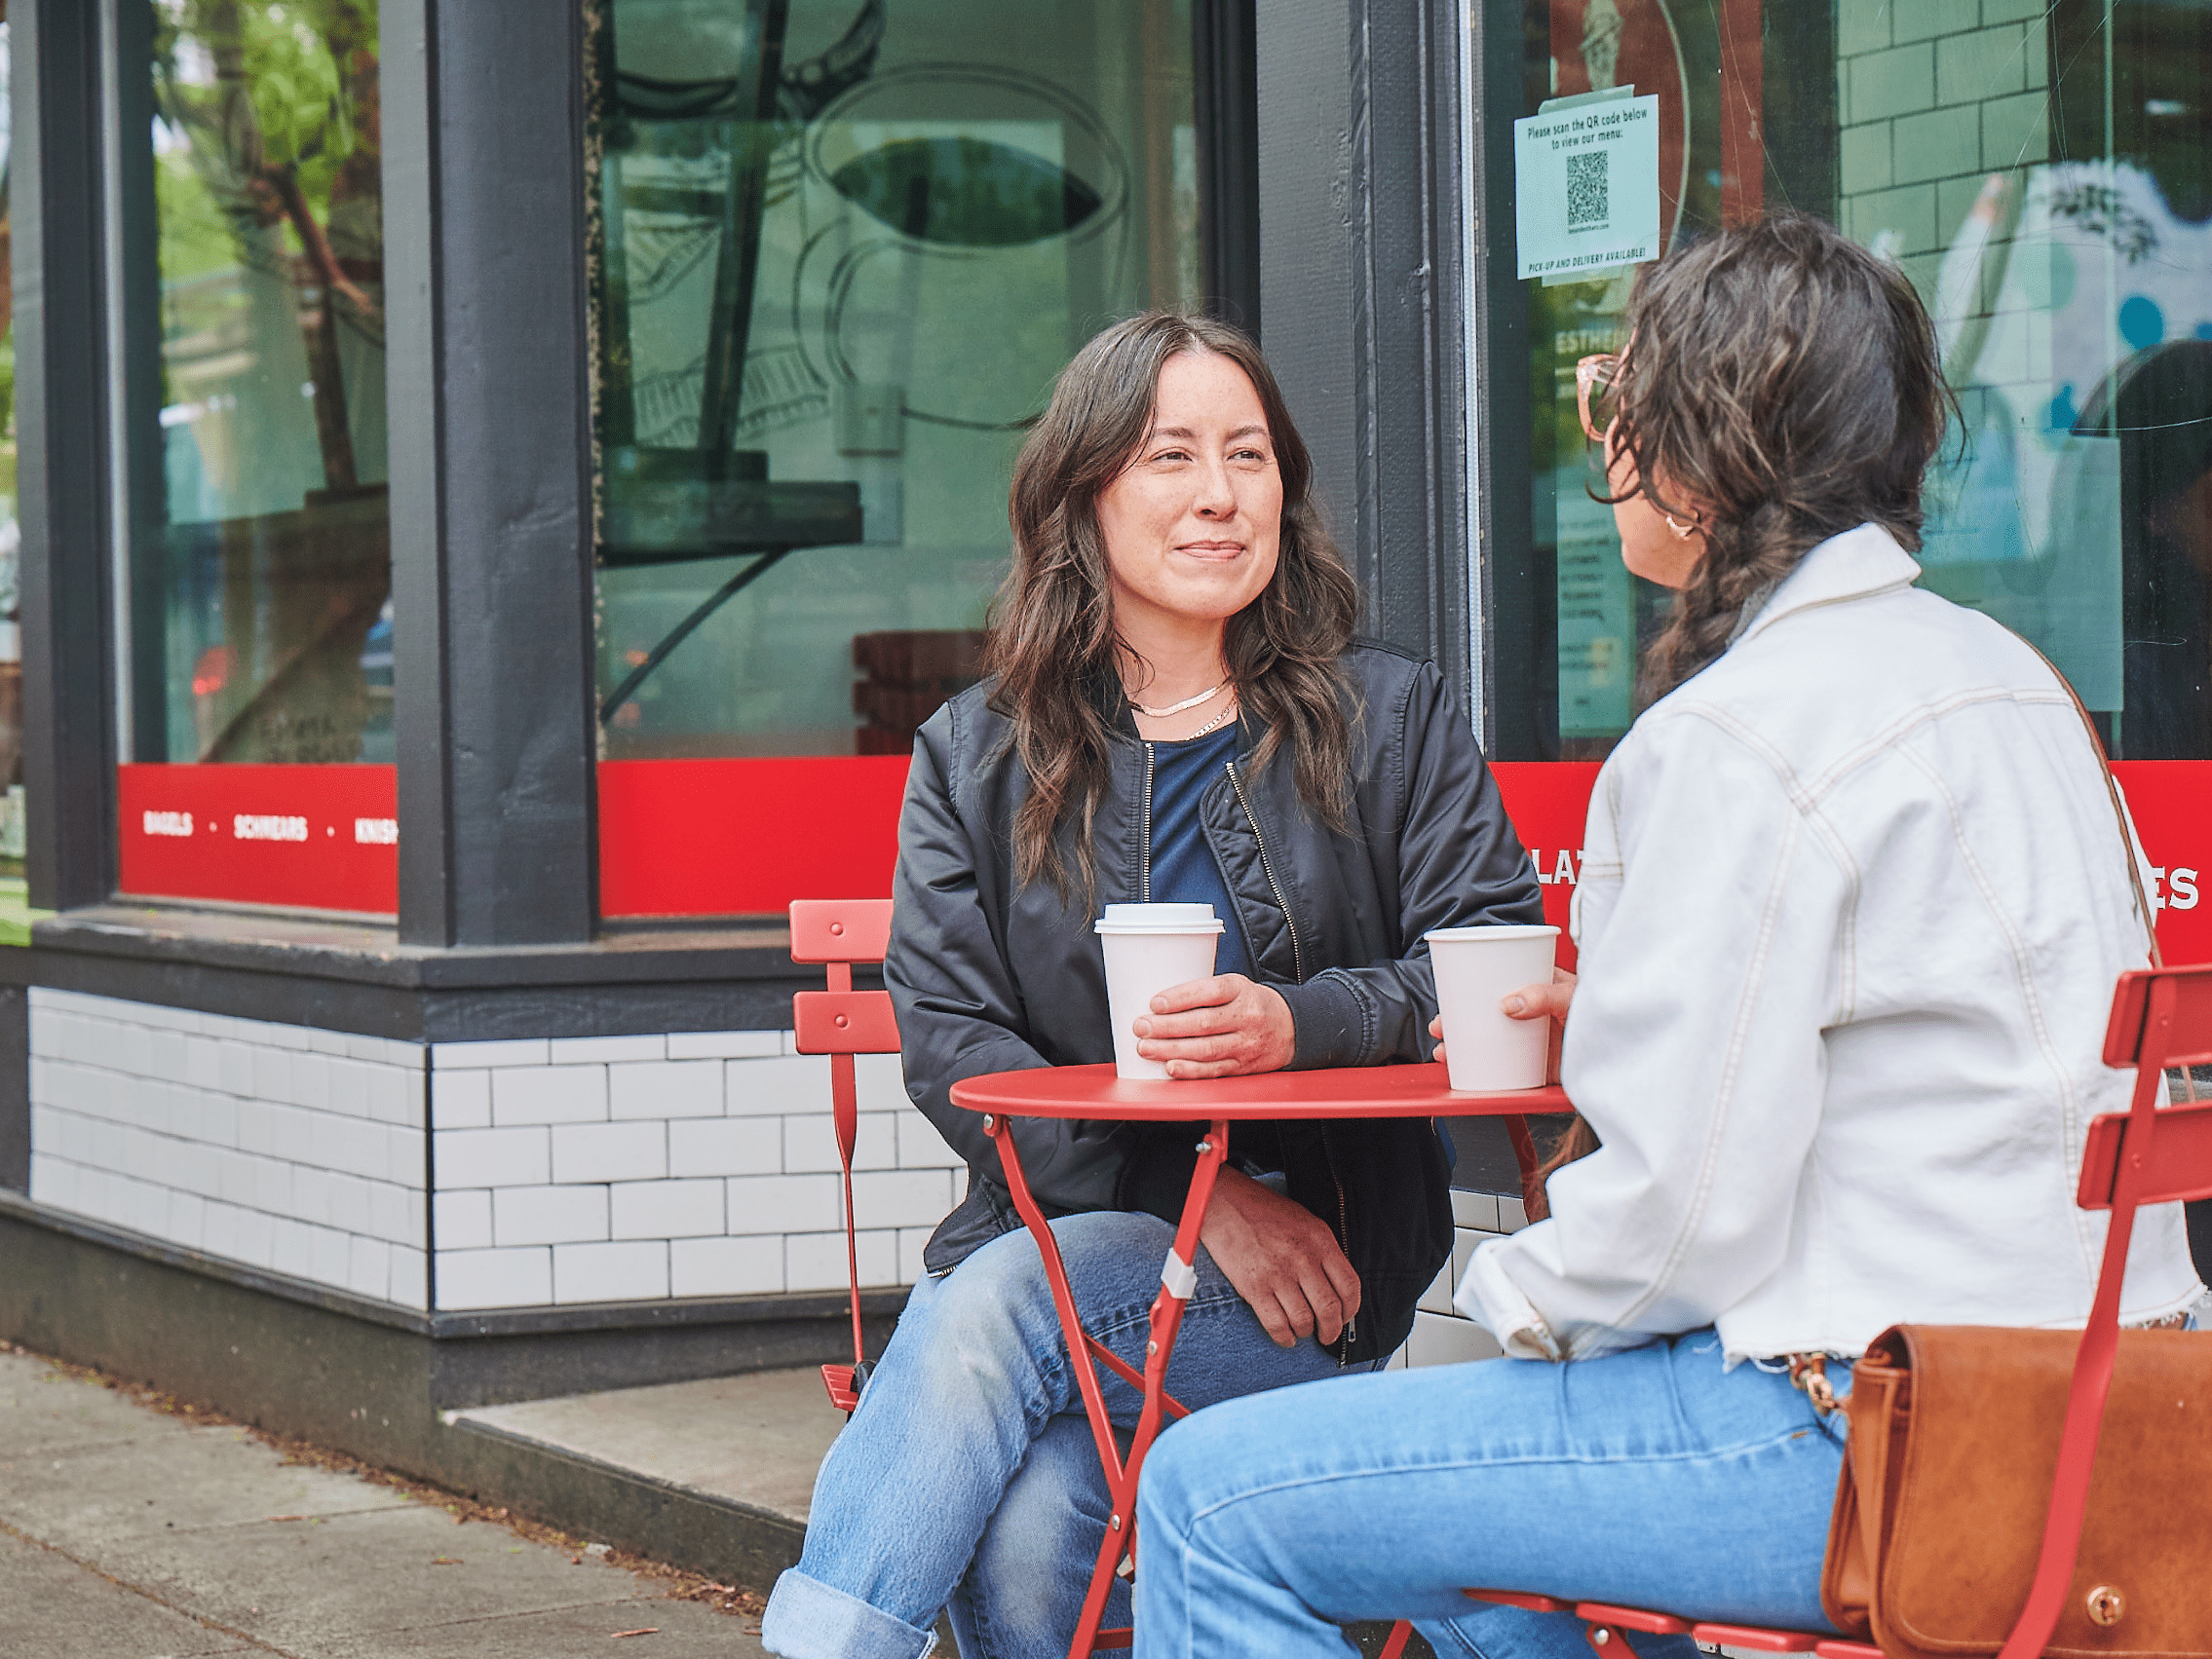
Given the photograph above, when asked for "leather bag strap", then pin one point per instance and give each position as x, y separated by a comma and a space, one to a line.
2119, 805
2094, 1359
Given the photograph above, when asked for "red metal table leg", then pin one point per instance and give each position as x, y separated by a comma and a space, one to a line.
1176, 1281
1524, 1154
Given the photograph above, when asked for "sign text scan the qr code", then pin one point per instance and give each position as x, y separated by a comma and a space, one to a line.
1586, 185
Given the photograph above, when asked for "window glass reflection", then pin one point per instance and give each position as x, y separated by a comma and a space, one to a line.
843, 251
2044, 176
260, 569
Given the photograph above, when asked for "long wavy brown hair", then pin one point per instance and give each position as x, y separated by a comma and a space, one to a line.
1052, 638
1780, 386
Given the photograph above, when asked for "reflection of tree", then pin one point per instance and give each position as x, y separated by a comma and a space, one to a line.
277, 108
7, 278
292, 118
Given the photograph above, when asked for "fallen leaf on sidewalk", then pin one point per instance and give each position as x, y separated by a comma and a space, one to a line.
287, 1517
649, 1630
446, 1560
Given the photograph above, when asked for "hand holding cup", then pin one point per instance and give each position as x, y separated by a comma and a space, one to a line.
1530, 1003
1225, 1025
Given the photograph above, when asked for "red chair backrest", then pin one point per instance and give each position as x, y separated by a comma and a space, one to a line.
842, 1022
2161, 1017
844, 931
2151, 1153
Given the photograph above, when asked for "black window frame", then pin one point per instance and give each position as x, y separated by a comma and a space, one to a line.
491, 468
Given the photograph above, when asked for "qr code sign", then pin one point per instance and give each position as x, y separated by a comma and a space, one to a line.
1587, 188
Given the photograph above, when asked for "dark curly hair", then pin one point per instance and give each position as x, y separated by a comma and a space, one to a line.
1785, 381
1052, 636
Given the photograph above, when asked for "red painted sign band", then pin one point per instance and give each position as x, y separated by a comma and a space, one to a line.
745, 837
1548, 803
303, 837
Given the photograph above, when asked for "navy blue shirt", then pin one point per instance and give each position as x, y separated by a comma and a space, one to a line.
1183, 868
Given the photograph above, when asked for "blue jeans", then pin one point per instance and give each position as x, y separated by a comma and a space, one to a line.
968, 1475
1651, 1477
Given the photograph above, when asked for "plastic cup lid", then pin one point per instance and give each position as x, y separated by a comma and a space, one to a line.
1159, 914
1157, 919
1501, 933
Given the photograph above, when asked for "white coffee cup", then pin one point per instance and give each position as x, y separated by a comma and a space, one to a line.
1486, 1050
1150, 947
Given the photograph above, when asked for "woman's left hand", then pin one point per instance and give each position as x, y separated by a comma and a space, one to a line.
1530, 1003
1223, 1027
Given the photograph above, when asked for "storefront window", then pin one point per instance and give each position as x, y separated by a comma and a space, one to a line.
843, 251
259, 566
2043, 174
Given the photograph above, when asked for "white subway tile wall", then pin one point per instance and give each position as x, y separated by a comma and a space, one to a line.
698, 1163
574, 1170
1933, 98
1441, 1334
289, 1149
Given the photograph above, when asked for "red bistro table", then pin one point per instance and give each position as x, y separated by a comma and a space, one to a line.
1095, 1093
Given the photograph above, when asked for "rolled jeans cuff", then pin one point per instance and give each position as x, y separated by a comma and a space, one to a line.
808, 1620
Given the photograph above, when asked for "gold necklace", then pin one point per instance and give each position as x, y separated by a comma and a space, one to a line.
1175, 708
1210, 725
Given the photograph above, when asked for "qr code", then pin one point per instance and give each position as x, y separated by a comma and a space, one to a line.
1587, 188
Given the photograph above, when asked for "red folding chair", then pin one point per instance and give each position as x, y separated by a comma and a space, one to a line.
2153, 1153
842, 1022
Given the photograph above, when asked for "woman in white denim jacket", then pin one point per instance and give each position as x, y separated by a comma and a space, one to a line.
1854, 900
1876, 1048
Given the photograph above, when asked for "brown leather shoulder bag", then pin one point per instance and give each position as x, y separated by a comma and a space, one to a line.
1954, 1448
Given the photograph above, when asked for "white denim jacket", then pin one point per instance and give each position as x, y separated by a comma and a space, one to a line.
1853, 904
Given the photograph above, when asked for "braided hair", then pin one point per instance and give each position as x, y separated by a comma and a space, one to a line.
1783, 383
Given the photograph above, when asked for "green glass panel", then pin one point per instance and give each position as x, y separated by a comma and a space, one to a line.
843, 250
2043, 176
260, 570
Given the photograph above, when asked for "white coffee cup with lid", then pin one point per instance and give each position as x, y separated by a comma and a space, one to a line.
1149, 948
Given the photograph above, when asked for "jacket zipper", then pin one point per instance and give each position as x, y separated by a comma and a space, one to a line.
1266, 866
1298, 967
1344, 1243
1144, 836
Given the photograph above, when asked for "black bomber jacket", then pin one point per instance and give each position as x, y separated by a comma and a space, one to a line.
988, 977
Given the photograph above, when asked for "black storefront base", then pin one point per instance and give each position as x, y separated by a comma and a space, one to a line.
359, 977
84, 1290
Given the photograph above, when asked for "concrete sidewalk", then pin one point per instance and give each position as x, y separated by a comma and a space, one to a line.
125, 1533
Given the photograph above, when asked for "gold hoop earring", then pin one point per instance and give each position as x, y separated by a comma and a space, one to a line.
1684, 531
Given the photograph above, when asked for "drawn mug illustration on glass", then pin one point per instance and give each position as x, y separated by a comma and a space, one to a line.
957, 187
